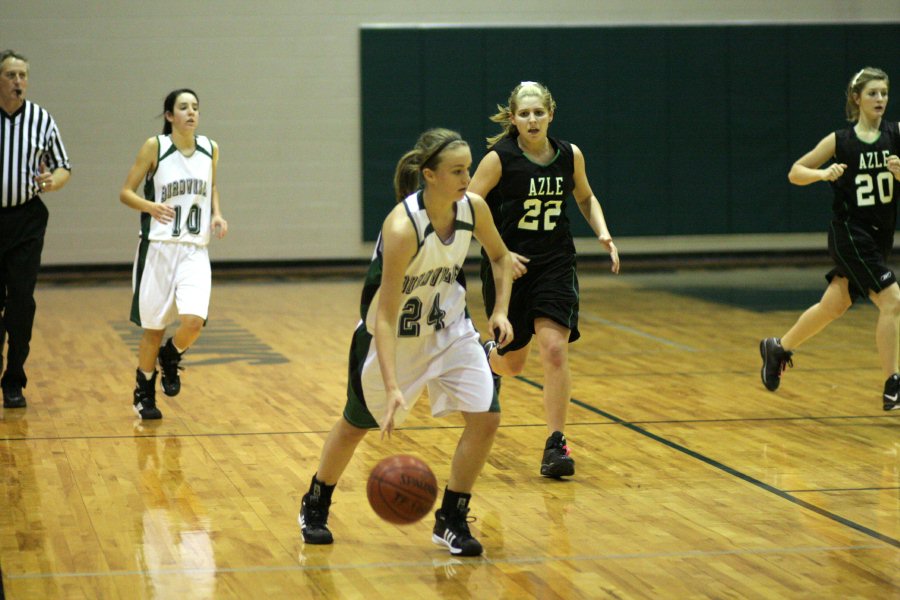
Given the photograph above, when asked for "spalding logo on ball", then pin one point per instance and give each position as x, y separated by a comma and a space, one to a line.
401, 489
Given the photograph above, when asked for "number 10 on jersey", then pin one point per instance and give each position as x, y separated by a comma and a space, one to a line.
192, 224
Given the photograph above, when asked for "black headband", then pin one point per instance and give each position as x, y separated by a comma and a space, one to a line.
439, 150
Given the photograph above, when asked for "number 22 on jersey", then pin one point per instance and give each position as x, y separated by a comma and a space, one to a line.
538, 213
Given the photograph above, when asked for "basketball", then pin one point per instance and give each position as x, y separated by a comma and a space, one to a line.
401, 489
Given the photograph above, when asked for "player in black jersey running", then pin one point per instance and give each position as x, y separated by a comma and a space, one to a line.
527, 178
861, 236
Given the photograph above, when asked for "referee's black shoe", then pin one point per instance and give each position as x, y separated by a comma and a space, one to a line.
12, 397
775, 360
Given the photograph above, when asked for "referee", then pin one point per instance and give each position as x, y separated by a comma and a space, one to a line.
32, 161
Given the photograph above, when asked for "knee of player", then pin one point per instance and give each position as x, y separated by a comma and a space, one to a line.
491, 422
192, 324
555, 355
509, 365
514, 369
890, 306
837, 309
154, 336
348, 433
485, 424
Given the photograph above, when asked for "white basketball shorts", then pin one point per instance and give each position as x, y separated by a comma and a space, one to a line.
176, 280
451, 363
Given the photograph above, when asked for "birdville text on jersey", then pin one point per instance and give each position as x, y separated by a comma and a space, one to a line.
182, 187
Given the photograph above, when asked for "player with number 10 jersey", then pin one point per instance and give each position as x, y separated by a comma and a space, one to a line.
183, 183
172, 276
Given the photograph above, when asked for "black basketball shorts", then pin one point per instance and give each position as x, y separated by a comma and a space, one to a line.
549, 289
860, 258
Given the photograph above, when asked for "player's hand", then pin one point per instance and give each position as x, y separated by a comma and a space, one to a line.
395, 401
893, 165
219, 226
502, 328
833, 172
613, 252
518, 265
162, 212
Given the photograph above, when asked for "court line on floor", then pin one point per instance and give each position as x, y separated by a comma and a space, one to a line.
831, 490
634, 331
452, 561
731, 471
430, 427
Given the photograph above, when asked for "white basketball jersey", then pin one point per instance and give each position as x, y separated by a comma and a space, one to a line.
185, 184
434, 292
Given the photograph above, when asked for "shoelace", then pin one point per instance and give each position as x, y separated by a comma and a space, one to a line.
316, 516
786, 362
565, 448
460, 523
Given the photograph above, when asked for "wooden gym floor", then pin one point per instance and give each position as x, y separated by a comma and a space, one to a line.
692, 480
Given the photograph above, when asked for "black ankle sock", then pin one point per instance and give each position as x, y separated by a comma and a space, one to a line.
170, 343
318, 488
144, 377
454, 501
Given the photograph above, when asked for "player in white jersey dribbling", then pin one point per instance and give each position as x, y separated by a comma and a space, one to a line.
415, 332
172, 277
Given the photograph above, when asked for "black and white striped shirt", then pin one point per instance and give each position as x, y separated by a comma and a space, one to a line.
27, 137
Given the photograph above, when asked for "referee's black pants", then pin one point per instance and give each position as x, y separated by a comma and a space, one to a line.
22, 231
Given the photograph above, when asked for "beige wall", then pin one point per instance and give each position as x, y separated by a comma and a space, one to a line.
279, 89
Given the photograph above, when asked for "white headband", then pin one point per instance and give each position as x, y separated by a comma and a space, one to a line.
856, 77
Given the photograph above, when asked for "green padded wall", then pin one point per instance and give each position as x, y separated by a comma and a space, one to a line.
685, 130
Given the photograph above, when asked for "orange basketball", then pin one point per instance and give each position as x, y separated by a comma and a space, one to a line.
401, 489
